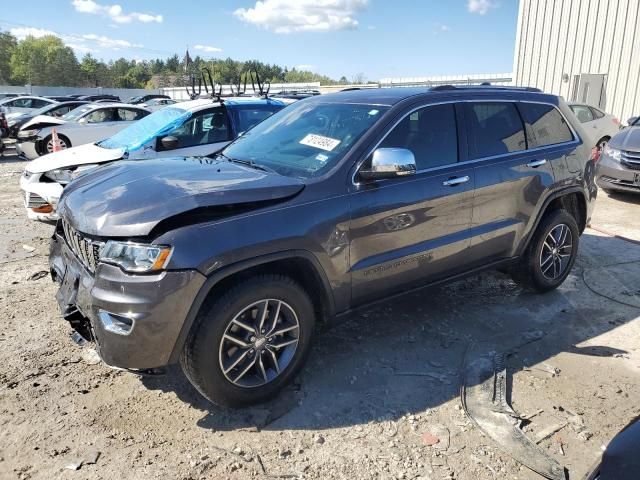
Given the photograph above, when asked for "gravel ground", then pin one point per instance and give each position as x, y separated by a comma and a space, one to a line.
377, 389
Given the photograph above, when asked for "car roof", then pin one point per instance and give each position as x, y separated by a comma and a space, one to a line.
30, 96
114, 104
393, 95
201, 103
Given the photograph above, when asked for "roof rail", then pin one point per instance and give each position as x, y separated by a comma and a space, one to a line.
487, 86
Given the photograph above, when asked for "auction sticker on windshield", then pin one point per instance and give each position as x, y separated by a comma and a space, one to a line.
318, 141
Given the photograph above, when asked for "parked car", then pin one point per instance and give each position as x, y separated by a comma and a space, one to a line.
600, 125
227, 264
56, 110
95, 98
199, 127
8, 95
14, 106
86, 124
157, 103
61, 98
619, 165
621, 458
146, 98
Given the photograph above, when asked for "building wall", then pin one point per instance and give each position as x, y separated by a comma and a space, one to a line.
564, 38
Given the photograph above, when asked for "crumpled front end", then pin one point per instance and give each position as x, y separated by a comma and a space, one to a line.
40, 196
135, 319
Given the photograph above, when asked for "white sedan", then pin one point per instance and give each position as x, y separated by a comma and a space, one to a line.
195, 128
86, 124
14, 106
600, 125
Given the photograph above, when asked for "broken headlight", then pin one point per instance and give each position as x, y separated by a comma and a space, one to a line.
136, 257
65, 175
612, 153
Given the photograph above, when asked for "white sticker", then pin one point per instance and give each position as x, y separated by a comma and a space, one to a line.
318, 141
373, 112
321, 157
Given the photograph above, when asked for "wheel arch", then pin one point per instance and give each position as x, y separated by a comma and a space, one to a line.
571, 199
301, 265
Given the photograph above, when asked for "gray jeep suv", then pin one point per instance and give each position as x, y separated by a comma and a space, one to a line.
227, 264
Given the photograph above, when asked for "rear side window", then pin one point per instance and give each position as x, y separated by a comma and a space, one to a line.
583, 113
496, 128
596, 113
430, 133
545, 125
129, 115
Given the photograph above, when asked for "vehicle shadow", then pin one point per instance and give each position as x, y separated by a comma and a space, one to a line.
626, 197
407, 355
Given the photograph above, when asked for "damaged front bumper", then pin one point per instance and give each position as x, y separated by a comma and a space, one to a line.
135, 320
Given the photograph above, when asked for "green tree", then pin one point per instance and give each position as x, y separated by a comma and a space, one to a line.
44, 61
8, 44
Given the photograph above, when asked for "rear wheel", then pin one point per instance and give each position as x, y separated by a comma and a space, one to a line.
249, 343
551, 253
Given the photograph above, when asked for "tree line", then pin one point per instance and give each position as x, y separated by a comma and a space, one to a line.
48, 61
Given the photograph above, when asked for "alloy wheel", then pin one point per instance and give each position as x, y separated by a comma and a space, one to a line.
556, 252
63, 145
259, 343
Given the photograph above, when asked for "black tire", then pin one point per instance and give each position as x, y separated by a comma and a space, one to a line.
202, 355
528, 273
66, 143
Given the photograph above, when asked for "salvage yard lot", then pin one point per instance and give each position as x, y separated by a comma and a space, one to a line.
377, 390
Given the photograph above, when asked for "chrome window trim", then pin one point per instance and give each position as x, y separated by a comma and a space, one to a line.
576, 138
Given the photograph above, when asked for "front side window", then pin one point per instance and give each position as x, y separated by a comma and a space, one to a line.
496, 129
129, 114
203, 128
39, 103
545, 124
59, 111
583, 113
430, 133
305, 139
102, 115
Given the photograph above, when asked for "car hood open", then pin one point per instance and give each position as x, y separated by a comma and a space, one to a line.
130, 198
74, 157
628, 139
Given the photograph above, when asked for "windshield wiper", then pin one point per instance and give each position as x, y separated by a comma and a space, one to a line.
248, 163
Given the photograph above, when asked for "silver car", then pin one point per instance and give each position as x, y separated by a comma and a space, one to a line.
619, 165
600, 125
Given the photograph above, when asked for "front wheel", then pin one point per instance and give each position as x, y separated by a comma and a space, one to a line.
248, 344
48, 143
551, 253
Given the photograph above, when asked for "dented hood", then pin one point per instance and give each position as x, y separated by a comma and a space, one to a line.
129, 198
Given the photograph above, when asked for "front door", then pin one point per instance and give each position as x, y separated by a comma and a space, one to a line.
414, 229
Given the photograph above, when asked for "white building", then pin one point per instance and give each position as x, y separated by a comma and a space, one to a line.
585, 50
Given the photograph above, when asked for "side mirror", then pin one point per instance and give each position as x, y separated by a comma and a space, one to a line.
169, 142
632, 120
389, 163
83, 121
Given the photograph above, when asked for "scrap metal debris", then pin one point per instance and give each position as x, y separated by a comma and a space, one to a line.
484, 398
38, 275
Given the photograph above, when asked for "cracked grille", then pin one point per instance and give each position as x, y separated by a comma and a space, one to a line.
86, 249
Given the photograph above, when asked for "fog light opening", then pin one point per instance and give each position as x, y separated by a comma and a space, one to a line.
118, 324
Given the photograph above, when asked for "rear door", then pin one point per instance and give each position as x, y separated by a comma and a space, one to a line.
414, 229
510, 180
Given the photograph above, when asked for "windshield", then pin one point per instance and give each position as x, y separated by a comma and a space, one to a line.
76, 113
154, 125
305, 139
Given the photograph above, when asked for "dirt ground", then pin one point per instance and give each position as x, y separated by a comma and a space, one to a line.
375, 392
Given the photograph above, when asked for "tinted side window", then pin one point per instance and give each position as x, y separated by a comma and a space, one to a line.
596, 113
37, 103
203, 128
496, 128
430, 133
545, 125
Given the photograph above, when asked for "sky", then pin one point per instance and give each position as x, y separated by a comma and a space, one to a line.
376, 38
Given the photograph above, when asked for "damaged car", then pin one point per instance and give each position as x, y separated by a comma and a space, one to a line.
199, 127
227, 264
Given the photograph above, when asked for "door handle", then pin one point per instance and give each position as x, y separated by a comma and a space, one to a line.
455, 181
536, 163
